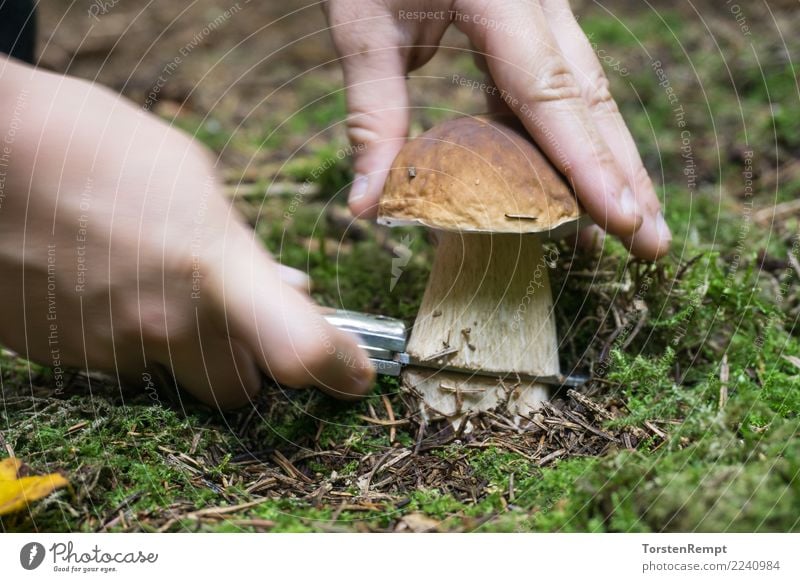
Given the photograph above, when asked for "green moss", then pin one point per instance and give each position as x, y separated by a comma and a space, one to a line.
719, 484
323, 107
434, 503
206, 130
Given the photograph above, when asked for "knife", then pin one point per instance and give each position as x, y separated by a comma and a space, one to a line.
384, 339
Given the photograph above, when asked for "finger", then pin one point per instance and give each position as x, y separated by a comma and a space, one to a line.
494, 100
218, 371
545, 96
590, 238
290, 340
295, 278
377, 121
378, 47
652, 239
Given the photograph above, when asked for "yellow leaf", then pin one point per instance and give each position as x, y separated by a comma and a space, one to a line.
18, 493
8, 469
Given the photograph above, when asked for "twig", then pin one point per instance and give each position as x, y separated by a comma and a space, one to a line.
626, 439
564, 423
390, 413
256, 523
77, 427
337, 512
261, 485
287, 466
655, 430
440, 354
317, 495
116, 512
219, 511
794, 360
381, 422
167, 524
195, 442
6, 445
554, 455
596, 409
308, 454
778, 211
381, 461
371, 410
109, 524
590, 428
420, 436
793, 262
460, 389
724, 375
503, 445
637, 328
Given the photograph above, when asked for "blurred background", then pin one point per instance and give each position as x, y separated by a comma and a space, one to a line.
259, 84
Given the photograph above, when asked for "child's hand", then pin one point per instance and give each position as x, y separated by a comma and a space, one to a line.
118, 252
544, 69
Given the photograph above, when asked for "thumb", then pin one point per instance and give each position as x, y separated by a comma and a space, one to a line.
377, 121
283, 329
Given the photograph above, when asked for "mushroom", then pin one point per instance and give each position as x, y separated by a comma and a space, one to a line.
486, 323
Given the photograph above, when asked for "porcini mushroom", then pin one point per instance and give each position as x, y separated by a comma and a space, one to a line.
486, 318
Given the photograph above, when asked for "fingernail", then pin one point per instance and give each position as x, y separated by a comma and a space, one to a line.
627, 202
591, 238
365, 384
359, 189
662, 228
362, 380
295, 278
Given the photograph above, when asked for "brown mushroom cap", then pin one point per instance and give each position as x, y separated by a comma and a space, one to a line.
478, 174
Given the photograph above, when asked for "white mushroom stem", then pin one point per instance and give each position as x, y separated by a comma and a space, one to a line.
488, 308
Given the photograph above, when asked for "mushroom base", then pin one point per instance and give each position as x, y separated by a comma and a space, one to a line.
454, 396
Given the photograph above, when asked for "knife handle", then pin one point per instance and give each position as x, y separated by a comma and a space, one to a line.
383, 338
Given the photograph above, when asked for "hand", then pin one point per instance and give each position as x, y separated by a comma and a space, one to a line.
118, 252
539, 58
